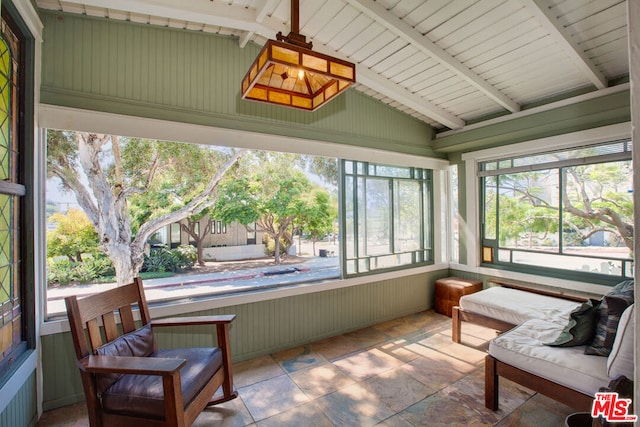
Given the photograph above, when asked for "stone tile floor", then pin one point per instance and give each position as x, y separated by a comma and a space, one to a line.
404, 372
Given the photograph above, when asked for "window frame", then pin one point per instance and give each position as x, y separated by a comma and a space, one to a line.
359, 170
23, 187
86, 120
475, 202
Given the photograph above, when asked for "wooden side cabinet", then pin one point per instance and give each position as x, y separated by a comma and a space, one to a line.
450, 289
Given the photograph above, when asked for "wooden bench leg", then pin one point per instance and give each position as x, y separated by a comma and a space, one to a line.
456, 324
491, 392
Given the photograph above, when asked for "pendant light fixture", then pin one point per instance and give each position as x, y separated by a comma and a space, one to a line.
288, 73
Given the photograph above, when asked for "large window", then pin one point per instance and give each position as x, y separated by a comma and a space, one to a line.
291, 199
387, 217
559, 212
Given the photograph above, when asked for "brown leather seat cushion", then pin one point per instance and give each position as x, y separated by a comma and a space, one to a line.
143, 394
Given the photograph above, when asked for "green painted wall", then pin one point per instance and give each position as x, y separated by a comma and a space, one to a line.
193, 77
606, 110
263, 327
22, 408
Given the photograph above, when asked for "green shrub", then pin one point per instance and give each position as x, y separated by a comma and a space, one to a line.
59, 271
100, 265
64, 271
99, 269
186, 257
175, 260
270, 245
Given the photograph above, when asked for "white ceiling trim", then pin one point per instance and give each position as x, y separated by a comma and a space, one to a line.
111, 123
542, 12
378, 13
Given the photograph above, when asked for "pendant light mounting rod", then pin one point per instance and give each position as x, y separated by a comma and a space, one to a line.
294, 36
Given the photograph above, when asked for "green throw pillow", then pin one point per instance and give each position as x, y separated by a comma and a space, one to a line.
581, 326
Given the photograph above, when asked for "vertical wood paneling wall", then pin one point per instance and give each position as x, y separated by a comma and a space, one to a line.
194, 77
602, 111
22, 408
263, 327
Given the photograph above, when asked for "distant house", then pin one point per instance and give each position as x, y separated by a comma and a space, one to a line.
224, 242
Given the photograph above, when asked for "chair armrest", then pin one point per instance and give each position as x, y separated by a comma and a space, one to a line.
130, 365
195, 320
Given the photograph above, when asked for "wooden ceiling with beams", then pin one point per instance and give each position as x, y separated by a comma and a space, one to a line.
446, 62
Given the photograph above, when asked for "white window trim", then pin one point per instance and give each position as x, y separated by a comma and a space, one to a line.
441, 210
51, 116
472, 159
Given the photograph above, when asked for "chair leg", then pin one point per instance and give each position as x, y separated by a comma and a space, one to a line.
228, 393
456, 324
491, 392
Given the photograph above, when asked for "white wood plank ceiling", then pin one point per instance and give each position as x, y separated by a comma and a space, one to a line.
446, 62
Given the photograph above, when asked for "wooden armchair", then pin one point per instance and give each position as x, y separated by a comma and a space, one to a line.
129, 382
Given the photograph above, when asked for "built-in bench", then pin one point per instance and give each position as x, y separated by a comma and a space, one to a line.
506, 305
565, 374
541, 350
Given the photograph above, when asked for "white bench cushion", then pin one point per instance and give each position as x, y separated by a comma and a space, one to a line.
515, 306
620, 361
523, 348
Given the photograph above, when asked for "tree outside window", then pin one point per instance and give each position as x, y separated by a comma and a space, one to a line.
569, 210
387, 217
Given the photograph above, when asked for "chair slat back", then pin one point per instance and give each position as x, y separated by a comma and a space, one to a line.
95, 337
126, 318
96, 310
110, 328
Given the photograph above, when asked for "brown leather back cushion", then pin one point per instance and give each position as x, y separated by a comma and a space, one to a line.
137, 343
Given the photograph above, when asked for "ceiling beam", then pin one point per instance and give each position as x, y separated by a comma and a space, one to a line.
264, 10
378, 13
234, 17
541, 10
246, 20
398, 93
245, 38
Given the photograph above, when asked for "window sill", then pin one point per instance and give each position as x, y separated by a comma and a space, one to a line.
177, 308
573, 285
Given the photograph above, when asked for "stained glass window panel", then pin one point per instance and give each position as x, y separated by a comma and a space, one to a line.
11, 330
5, 116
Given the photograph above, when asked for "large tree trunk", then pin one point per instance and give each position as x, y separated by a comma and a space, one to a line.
120, 256
110, 211
106, 206
277, 246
